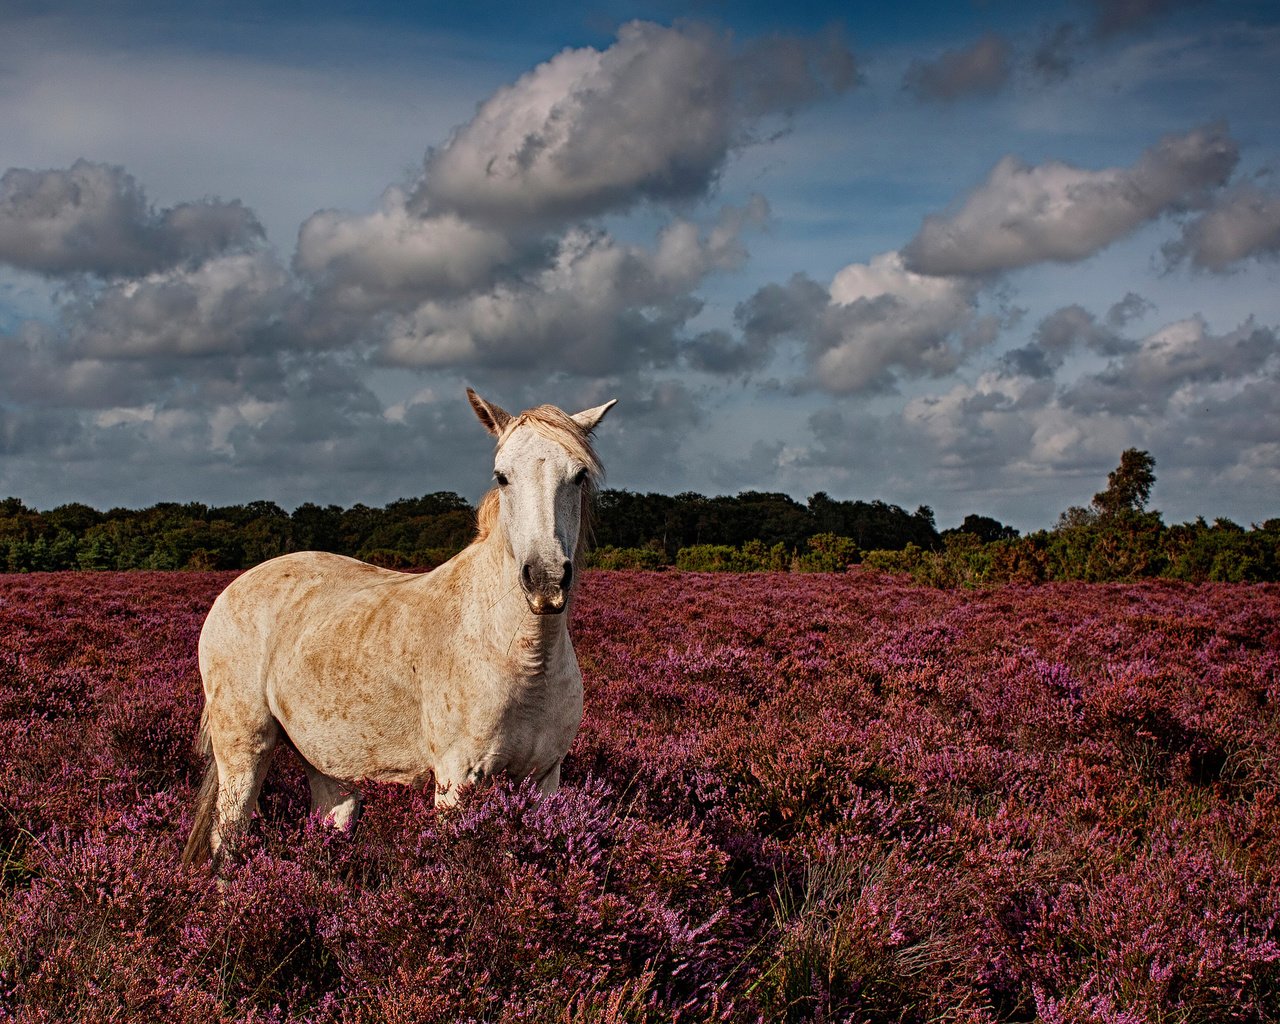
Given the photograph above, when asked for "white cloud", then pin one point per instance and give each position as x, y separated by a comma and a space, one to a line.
1243, 222
875, 323
885, 319
1053, 211
597, 307
1181, 357
1205, 405
95, 218
230, 304
654, 116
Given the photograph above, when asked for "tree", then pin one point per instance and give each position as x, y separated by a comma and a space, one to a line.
1128, 486
985, 529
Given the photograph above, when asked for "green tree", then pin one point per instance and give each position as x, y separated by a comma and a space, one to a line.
1128, 485
984, 528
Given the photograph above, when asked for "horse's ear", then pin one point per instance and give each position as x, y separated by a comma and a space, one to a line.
588, 418
494, 417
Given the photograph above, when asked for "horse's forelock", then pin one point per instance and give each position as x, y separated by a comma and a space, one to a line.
557, 425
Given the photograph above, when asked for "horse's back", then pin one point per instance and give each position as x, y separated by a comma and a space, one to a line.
275, 602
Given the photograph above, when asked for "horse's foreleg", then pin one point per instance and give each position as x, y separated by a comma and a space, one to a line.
337, 801
549, 781
452, 777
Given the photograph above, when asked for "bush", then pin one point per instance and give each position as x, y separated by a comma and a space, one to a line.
386, 558
707, 558
907, 560
610, 557
828, 552
753, 556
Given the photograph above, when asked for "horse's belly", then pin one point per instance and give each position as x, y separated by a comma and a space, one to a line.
353, 735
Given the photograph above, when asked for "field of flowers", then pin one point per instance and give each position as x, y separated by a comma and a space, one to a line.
794, 798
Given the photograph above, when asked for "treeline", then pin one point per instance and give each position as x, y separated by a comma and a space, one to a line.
629, 528
1114, 538
1128, 546
410, 532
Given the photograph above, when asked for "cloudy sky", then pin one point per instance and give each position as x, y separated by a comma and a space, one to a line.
953, 254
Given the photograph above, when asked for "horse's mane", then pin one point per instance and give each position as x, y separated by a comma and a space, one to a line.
555, 425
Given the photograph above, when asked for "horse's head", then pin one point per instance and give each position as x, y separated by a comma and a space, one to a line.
545, 469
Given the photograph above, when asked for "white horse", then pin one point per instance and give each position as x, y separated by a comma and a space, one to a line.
459, 673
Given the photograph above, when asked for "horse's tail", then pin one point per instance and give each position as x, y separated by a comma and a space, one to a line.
199, 848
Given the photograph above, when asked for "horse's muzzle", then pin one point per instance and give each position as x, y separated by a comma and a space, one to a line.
546, 593
546, 604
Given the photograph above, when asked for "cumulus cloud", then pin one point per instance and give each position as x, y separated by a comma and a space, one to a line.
1204, 403
1062, 332
1243, 222
225, 305
1182, 355
989, 423
983, 67
392, 255
94, 218
877, 321
1132, 307
885, 318
596, 307
654, 116
1053, 211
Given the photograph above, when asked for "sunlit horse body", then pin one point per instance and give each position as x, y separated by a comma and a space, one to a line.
369, 674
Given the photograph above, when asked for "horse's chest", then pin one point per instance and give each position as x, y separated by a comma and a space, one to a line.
522, 728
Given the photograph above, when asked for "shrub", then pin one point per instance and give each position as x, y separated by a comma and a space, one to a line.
907, 560
753, 556
707, 558
828, 552
610, 557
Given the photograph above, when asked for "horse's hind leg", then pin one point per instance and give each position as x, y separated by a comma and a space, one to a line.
337, 801
242, 758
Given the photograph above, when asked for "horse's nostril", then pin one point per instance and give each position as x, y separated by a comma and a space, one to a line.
526, 574
568, 575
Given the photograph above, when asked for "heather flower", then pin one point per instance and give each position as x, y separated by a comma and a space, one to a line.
793, 797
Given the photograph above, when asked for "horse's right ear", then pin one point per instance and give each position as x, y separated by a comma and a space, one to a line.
494, 417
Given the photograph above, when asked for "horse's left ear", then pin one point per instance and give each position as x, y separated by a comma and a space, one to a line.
588, 418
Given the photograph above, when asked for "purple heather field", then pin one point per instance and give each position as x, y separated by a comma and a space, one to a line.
793, 798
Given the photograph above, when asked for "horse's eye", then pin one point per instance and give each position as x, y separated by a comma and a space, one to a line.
581, 478
501, 478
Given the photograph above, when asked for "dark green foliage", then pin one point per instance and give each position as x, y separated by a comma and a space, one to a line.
629, 520
423, 532
986, 529
1115, 538
1128, 485
411, 532
625, 558
828, 552
753, 556
874, 524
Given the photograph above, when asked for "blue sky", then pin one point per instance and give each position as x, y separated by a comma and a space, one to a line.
954, 254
